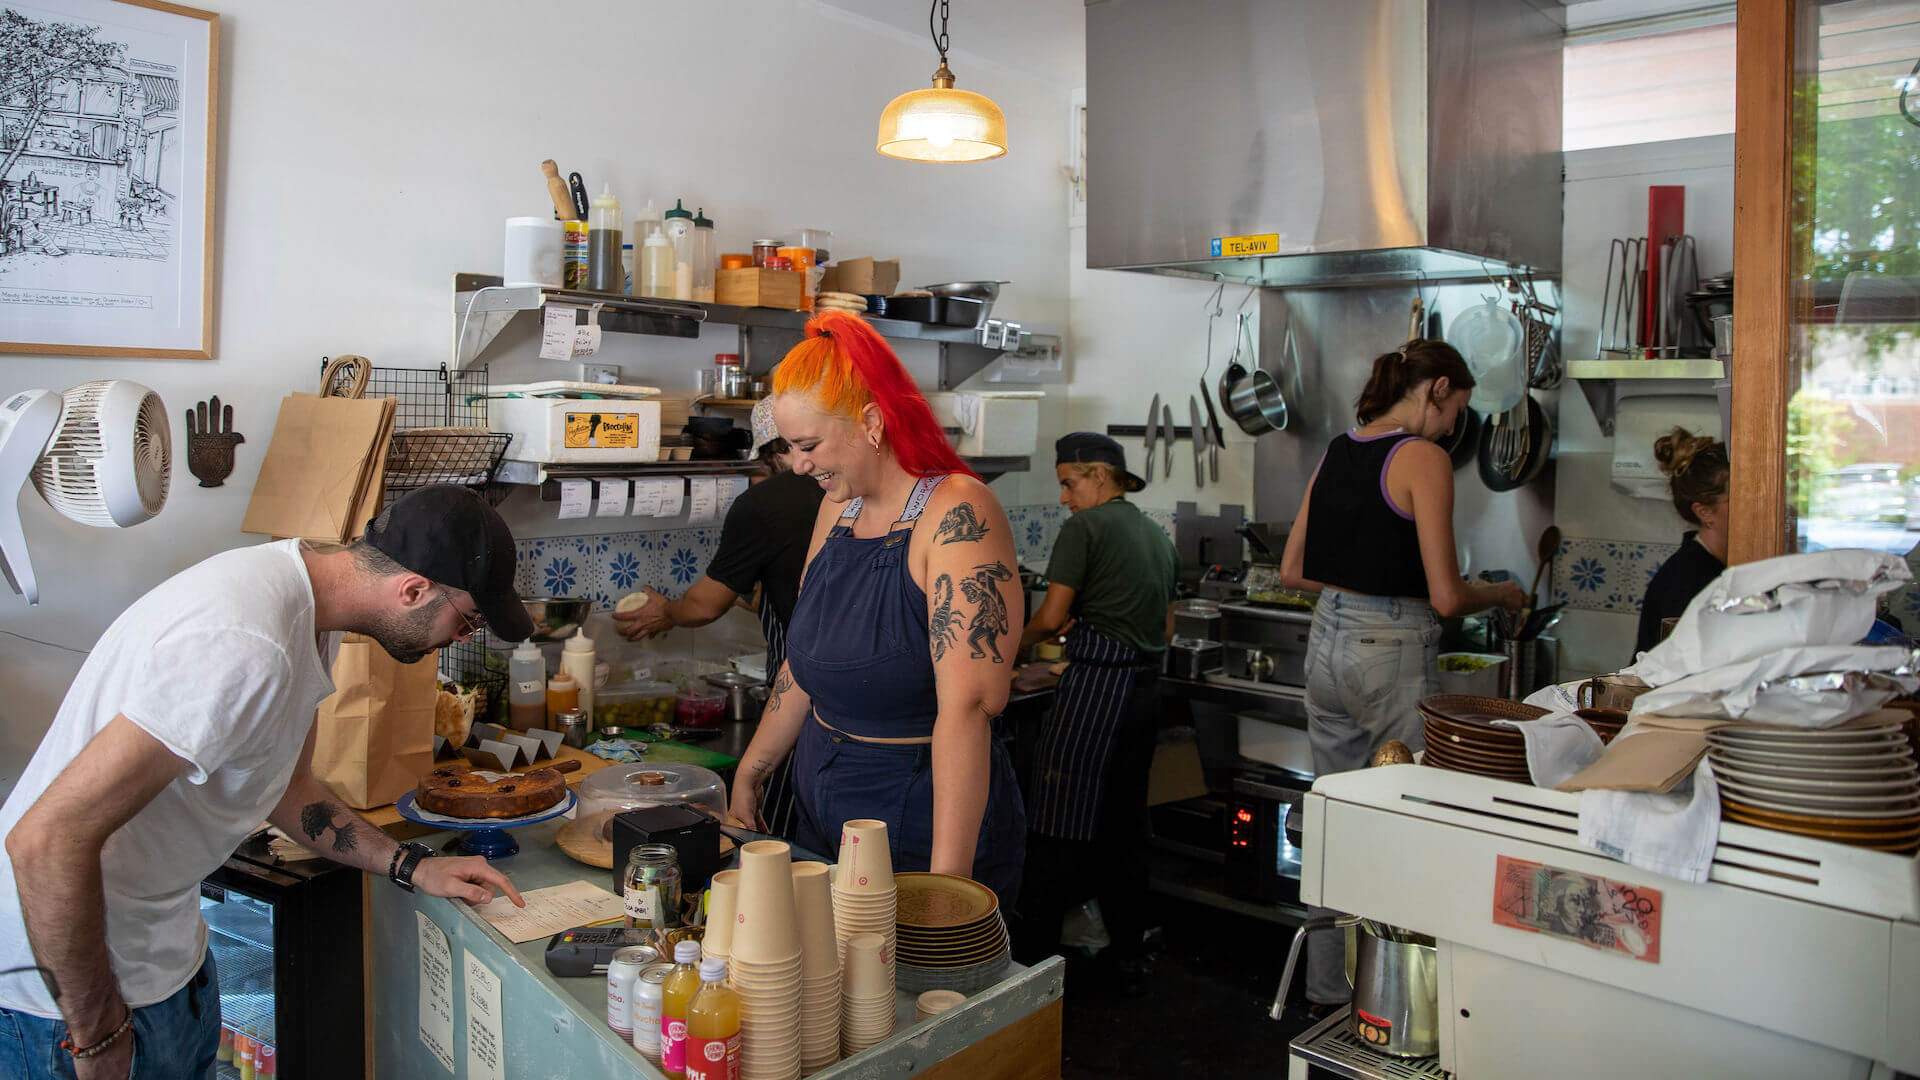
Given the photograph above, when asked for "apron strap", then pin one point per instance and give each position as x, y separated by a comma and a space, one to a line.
916, 504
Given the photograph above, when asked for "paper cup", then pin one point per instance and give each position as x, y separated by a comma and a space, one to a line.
722, 906
866, 864
766, 929
935, 1002
819, 946
869, 968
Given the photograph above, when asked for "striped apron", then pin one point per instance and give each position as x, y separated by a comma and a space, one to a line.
776, 802
1077, 739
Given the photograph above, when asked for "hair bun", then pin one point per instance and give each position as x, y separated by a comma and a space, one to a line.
1676, 450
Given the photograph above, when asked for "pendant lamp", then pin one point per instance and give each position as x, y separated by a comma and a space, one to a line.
942, 124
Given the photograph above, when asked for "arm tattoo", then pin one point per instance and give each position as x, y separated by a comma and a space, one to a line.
317, 817
780, 687
961, 526
990, 621
944, 624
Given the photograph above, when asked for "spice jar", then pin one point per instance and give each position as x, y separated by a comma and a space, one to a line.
764, 250
651, 887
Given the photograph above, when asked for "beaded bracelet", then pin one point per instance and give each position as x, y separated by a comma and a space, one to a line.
84, 1052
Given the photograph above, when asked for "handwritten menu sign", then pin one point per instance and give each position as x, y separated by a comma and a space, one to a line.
486, 1044
1611, 916
436, 992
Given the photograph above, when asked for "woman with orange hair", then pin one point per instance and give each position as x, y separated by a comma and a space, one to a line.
901, 649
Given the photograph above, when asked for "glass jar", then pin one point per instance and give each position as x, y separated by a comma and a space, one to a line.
651, 887
764, 250
729, 378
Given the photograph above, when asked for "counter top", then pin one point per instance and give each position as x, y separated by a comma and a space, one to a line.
557, 1027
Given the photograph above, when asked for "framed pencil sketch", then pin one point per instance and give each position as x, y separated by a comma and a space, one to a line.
107, 135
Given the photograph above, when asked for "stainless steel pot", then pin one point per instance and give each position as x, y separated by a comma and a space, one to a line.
1252, 398
1396, 985
1190, 658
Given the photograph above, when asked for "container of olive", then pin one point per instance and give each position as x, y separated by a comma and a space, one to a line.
635, 705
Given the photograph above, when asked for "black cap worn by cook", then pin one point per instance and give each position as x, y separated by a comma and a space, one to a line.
1089, 448
449, 535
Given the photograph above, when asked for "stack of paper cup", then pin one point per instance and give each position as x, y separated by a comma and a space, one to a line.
869, 1005
765, 963
935, 1002
864, 898
722, 906
819, 966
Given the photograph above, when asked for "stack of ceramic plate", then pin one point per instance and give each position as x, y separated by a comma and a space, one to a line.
765, 968
1855, 784
950, 933
1605, 723
934, 1002
819, 967
869, 1006
1462, 736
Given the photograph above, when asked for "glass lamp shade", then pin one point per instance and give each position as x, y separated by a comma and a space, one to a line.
942, 124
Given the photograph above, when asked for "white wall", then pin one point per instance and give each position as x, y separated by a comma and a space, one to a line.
370, 150
1606, 193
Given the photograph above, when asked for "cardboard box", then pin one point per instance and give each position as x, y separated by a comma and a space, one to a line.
756, 287
1176, 775
865, 276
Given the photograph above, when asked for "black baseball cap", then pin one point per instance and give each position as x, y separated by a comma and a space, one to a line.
1089, 448
449, 535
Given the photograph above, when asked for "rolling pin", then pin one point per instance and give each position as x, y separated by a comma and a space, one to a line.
557, 191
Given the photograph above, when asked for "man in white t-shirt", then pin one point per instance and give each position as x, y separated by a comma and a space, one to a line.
190, 722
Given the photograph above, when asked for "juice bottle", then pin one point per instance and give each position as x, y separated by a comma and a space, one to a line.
713, 1026
682, 983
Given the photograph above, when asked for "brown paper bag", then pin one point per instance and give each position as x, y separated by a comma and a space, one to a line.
373, 738
314, 481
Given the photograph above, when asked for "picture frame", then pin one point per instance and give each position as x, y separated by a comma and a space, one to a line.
109, 124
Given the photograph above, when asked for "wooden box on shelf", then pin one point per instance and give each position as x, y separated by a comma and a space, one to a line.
756, 287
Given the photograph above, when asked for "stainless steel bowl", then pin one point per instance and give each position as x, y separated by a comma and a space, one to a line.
984, 291
555, 618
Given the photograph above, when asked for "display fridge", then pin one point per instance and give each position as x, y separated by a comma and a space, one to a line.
286, 941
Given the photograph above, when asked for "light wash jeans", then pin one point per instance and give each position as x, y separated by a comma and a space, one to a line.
1370, 659
175, 1039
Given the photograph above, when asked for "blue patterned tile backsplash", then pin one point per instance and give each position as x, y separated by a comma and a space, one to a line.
1607, 575
607, 566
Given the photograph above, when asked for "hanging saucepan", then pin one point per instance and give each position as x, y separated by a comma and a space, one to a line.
1253, 398
1464, 440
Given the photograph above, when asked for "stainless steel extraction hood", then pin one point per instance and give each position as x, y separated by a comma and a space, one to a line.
1323, 142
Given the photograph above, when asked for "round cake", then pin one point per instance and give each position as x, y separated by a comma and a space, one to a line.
478, 793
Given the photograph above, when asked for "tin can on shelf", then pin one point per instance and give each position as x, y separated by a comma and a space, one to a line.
572, 726
651, 887
622, 971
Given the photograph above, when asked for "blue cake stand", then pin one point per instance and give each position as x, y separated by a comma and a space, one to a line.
485, 836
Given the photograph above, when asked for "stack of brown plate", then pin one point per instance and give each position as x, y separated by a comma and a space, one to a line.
951, 935
1462, 736
1854, 784
1605, 723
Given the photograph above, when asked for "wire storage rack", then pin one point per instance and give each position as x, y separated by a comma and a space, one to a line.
478, 663
440, 431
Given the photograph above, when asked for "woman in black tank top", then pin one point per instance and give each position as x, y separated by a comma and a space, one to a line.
1374, 537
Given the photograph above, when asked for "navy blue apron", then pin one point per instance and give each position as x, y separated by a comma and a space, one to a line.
1070, 770
859, 647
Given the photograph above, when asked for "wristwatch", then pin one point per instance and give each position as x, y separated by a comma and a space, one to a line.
406, 859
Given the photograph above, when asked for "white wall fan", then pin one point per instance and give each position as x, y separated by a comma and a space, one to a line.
100, 454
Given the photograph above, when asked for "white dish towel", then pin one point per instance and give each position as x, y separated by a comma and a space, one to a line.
1558, 746
1672, 834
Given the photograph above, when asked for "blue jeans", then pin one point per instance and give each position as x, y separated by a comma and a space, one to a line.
1370, 659
175, 1039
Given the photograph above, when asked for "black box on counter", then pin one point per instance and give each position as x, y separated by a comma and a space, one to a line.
694, 837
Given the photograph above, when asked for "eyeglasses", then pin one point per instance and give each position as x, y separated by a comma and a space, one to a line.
470, 624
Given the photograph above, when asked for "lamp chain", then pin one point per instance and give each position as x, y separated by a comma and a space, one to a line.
939, 37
